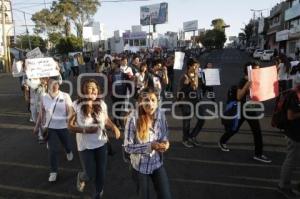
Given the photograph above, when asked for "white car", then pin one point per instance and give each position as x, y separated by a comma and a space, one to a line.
257, 53
267, 55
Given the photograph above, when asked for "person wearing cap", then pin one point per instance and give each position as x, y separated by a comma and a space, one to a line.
53, 115
293, 138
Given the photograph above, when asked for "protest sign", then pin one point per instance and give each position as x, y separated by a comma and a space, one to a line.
178, 62
17, 69
264, 83
35, 53
41, 67
212, 77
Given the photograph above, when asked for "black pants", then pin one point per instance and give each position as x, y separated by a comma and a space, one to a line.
159, 179
256, 131
75, 71
186, 111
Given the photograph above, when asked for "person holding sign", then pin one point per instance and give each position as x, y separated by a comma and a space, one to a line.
243, 96
189, 97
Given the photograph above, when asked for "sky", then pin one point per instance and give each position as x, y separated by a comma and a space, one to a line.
122, 15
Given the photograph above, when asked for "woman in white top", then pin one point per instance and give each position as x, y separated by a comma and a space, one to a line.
283, 69
140, 78
89, 121
53, 114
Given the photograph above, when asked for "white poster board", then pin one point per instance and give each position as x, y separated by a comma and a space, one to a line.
178, 62
212, 77
35, 53
17, 69
41, 67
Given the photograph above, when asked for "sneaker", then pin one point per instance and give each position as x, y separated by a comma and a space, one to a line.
80, 184
223, 147
52, 177
187, 144
287, 192
262, 158
31, 120
195, 142
70, 156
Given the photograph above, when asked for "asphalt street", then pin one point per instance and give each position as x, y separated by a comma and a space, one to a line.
200, 173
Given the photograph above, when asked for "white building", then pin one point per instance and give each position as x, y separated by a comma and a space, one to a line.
292, 33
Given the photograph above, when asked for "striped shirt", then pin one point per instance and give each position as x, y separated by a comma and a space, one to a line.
142, 157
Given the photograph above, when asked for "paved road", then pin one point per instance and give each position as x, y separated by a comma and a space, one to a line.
203, 172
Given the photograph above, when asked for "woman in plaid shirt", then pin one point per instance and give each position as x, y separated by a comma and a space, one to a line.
146, 140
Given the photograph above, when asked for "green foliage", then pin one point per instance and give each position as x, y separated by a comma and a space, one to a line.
218, 24
248, 32
55, 37
36, 41
62, 14
213, 39
69, 44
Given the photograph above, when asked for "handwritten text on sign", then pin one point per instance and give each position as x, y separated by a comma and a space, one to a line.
41, 67
35, 53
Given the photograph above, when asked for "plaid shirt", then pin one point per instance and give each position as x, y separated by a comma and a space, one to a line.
143, 158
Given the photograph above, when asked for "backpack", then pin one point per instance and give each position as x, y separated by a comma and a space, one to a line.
231, 110
279, 117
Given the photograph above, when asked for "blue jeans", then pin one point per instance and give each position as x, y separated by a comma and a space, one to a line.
94, 162
54, 137
159, 179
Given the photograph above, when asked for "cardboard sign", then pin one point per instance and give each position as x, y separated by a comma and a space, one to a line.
35, 53
212, 77
264, 83
178, 62
41, 67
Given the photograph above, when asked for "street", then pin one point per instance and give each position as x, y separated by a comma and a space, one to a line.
203, 172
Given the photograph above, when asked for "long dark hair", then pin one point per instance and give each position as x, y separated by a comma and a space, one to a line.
96, 107
144, 121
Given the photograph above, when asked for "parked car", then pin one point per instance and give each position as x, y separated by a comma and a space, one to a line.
267, 55
257, 53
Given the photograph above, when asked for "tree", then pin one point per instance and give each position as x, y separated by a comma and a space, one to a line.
36, 41
47, 21
248, 30
218, 24
54, 37
86, 9
213, 39
63, 13
69, 44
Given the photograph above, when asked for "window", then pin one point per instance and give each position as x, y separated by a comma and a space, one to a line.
130, 42
126, 41
143, 42
136, 42
292, 47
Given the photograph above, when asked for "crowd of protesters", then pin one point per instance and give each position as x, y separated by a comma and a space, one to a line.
143, 78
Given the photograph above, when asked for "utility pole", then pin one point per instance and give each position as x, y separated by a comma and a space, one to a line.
4, 37
27, 32
149, 31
